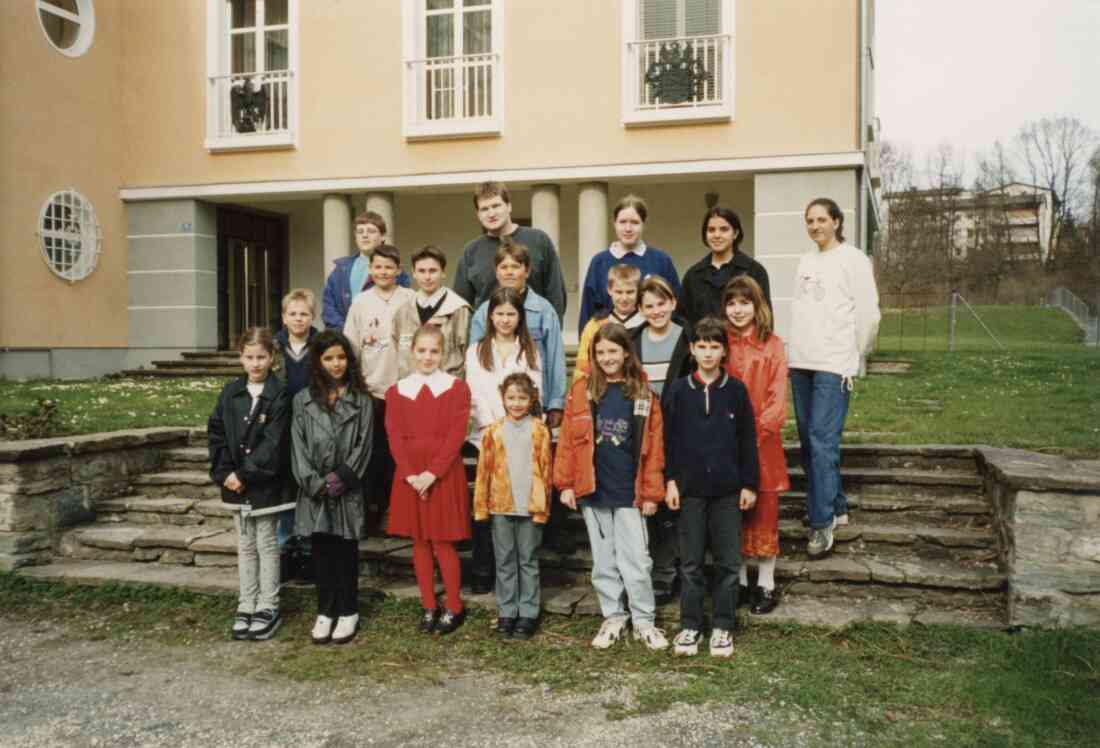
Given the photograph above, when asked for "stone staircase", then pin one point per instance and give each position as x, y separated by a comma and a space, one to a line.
227, 364
920, 546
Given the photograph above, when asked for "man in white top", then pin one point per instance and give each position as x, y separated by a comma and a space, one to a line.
834, 319
369, 327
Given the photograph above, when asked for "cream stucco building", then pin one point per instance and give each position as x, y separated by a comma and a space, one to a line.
214, 152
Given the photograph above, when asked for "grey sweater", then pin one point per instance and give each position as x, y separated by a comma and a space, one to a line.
476, 276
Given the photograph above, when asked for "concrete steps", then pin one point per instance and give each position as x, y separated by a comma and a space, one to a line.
919, 542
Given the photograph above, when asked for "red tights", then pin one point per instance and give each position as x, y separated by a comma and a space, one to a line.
449, 566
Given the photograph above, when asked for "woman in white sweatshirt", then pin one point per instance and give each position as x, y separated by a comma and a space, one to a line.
834, 318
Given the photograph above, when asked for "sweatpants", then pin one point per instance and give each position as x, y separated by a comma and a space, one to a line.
336, 566
620, 563
719, 521
257, 562
516, 543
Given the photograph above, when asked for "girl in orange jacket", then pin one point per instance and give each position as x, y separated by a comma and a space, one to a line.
756, 357
611, 460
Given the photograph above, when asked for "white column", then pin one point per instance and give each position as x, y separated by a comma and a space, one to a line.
546, 211
337, 230
382, 204
592, 223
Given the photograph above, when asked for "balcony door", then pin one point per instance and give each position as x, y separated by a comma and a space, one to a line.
252, 272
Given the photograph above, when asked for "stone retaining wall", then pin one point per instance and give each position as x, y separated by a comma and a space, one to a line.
1047, 516
48, 485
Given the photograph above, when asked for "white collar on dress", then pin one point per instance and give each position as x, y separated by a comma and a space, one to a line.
438, 382
619, 253
430, 301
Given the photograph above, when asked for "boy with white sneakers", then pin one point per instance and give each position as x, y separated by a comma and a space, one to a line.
712, 473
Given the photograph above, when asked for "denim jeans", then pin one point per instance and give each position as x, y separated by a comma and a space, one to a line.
820, 407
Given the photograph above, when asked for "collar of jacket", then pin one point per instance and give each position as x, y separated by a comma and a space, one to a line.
240, 385
739, 259
751, 340
283, 336
695, 382
347, 406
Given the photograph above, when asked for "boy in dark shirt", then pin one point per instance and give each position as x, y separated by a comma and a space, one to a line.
712, 473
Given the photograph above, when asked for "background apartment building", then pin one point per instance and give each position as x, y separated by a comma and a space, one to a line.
170, 168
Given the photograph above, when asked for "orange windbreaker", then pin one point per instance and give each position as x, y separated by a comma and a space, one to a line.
762, 368
575, 461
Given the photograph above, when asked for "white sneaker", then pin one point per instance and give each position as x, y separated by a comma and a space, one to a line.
652, 637
346, 627
611, 630
687, 642
721, 643
322, 630
842, 520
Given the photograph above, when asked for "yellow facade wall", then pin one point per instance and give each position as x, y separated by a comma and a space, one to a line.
60, 128
796, 92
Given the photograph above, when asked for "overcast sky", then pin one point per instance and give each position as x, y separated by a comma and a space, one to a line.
971, 71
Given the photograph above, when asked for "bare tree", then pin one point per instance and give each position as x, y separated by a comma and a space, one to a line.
1055, 153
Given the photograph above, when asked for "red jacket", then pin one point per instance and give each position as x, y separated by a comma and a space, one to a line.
575, 461
762, 368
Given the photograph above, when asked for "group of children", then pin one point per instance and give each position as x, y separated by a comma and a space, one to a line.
669, 442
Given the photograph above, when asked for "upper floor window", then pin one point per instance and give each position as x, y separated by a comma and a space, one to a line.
677, 61
251, 63
452, 68
69, 25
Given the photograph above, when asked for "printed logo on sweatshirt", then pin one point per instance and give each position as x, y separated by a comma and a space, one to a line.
810, 284
614, 430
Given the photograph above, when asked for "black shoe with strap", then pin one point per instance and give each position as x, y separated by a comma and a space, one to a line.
449, 621
428, 621
525, 628
765, 601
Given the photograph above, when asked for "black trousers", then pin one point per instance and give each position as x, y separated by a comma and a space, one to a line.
718, 520
380, 469
336, 564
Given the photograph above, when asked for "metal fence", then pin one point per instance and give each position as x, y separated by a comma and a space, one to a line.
1084, 315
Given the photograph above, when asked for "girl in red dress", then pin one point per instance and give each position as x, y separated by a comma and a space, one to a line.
757, 358
426, 417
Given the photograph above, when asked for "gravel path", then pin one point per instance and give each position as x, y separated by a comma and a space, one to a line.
56, 690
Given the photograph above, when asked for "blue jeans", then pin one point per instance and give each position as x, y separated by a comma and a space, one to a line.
820, 407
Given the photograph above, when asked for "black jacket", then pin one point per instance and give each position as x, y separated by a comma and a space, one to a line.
255, 446
681, 363
703, 285
710, 437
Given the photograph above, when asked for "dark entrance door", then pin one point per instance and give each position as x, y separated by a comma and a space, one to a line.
252, 271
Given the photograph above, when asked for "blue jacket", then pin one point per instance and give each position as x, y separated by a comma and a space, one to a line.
294, 374
594, 296
338, 296
710, 437
542, 323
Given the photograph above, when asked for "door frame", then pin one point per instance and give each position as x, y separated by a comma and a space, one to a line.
250, 225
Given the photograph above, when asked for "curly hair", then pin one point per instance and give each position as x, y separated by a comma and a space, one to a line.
321, 384
527, 385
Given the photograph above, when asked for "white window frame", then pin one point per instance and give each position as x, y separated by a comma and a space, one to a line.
413, 26
84, 20
633, 117
83, 227
218, 64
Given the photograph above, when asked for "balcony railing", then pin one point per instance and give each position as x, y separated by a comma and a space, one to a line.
252, 108
450, 96
681, 74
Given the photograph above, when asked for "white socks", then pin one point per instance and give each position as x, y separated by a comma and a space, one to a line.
766, 578
767, 573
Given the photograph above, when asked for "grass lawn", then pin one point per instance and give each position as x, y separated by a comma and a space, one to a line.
1042, 393
914, 686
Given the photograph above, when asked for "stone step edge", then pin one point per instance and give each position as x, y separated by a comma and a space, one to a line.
818, 612
847, 569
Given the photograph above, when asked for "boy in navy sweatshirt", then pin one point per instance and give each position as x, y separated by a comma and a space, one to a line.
712, 474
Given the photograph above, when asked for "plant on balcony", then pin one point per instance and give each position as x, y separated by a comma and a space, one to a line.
678, 75
249, 106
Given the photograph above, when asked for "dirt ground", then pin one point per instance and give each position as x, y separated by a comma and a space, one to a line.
59, 690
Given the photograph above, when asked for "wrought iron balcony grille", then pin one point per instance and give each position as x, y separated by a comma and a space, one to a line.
680, 72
